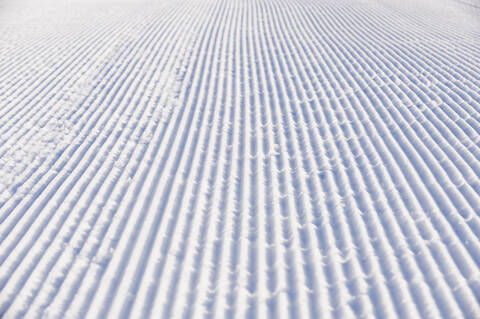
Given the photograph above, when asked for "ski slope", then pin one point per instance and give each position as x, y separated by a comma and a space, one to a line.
239, 158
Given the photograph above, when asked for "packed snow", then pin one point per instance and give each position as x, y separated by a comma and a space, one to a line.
239, 158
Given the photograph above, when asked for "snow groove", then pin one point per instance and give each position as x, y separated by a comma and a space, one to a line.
246, 158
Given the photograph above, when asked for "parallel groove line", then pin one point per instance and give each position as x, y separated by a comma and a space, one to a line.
245, 158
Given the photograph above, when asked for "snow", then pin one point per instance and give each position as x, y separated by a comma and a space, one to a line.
243, 158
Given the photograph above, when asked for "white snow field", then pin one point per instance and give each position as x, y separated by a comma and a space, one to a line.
239, 158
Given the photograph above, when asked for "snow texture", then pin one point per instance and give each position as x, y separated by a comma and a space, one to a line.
239, 158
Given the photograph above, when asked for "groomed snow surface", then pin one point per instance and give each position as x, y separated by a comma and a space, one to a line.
239, 158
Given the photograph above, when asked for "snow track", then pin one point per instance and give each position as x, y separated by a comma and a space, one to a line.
245, 158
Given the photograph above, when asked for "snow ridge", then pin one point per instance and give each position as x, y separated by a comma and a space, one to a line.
246, 158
